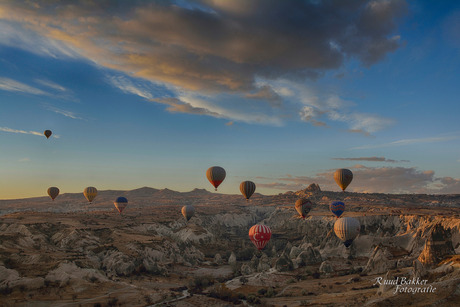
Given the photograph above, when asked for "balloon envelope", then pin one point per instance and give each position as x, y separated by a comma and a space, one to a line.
346, 229
188, 211
121, 203
343, 177
90, 193
215, 175
47, 133
303, 206
260, 235
53, 192
247, 188
337, 208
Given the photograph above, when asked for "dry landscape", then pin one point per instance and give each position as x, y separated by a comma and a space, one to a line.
70, 253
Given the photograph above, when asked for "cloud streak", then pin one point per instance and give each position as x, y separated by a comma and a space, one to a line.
6, 129
407, 142
10, 85
370, 159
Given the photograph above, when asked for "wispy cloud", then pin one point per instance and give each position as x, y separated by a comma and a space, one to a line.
6, 129
129, 87
51, 85
371, 159
10, 85
406, 142
66, 113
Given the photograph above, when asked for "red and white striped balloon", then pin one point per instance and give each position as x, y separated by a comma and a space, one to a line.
260, 235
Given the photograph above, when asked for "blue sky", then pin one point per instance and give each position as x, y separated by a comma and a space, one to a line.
282, 93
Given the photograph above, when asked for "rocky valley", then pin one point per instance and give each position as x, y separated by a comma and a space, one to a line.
70, 253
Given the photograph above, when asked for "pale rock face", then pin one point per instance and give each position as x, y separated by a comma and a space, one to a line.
69, 273
232, 259
379, 261
218, 259
246, 269
284, 264
264, 263
308, 257
116, 263
326, 268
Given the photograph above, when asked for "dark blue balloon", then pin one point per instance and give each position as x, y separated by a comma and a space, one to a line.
121, 200
337, 208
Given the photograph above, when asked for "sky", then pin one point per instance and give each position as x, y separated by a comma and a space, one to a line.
282, 93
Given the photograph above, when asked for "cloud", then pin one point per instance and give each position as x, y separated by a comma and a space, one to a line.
213, 48
371, 180
66, 113
176, 105
6, 129
230, 123
308, 114
406, 142
361, 122
10, 85
370, 159
51, 85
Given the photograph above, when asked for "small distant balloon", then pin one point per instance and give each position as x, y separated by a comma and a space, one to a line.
347, 229
121, 203
247, 188
215, 175
188, 211
337, 208
47, 133
343, 178
53, 192
303, 206
90, 193
260, 235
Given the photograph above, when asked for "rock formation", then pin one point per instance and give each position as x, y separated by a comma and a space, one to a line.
438, 245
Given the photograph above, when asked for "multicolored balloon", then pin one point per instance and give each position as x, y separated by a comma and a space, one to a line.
215, 175
247, 188
343, 177
260, 235
346, 229
47, 133
303, 206
337, 208
121, 203
53, 192
90, 193
188, 211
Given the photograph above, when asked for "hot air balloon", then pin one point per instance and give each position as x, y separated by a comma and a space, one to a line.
47, 133
216, 175
260, 235
346, 229
53, 192
343, 177
247, 188
303, 206
90, 193
120, 203
188, 211
337, 207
